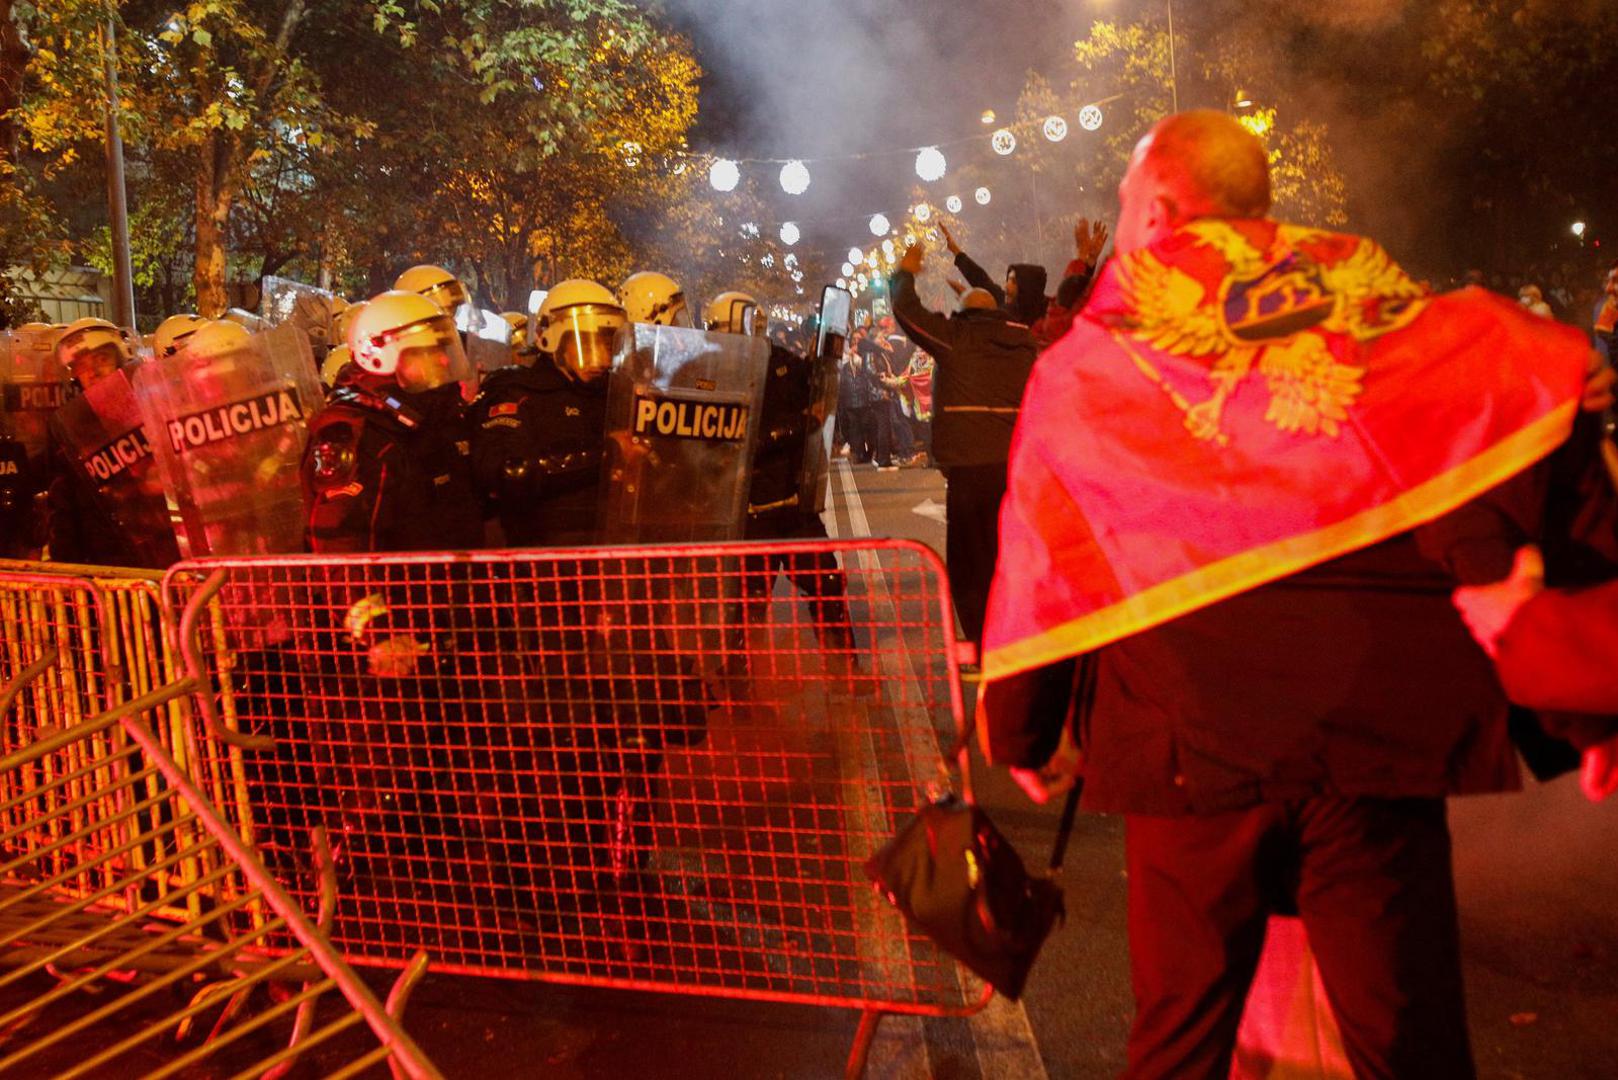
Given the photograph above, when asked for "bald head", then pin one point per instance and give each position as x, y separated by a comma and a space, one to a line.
978, 300
1191, 165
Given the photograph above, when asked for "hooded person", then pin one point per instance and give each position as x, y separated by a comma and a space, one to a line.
982, 360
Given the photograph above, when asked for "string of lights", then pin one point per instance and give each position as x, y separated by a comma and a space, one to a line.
931, 163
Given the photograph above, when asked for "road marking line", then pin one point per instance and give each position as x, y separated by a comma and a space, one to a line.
1001, 1034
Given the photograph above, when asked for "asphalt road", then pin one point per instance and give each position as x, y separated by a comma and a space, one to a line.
1538, 874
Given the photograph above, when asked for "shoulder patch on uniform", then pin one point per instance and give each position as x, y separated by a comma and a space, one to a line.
505, 408
348, 490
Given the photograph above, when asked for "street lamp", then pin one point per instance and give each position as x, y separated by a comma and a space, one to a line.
1578, 229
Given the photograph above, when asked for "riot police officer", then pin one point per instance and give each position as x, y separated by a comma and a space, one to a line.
651, 297
539, 428
388, 467
774, 509
106, 503
91, 349
173, 332
436, 284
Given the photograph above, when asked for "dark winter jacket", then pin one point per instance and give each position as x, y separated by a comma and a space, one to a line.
1030, 304
983, 362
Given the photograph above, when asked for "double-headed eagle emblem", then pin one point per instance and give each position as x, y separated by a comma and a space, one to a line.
1274, 310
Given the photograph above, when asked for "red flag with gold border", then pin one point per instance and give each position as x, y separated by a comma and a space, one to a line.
1242, 401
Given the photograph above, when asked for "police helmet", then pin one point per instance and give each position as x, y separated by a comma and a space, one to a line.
336, 359
342, 320
405, 336
519, 327
650, 297
172, 332
92, 349
734, 312
436, 284
216, 337
577, 325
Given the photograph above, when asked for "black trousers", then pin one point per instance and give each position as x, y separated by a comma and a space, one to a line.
1372, 881
972, 538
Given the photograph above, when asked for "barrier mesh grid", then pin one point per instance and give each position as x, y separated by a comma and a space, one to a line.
123, 946
652, 768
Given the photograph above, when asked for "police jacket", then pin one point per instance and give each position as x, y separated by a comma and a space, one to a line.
983, 362
390, 471
537, 441
778, 456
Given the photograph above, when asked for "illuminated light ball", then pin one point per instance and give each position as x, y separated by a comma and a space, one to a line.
930, 164
842, 283
749, 228
631, 151
953, 204
932, 236
724, 175
874, 259
789, 234
1578, 229
679, 168
797, 275
923, 212
800, 290
982, 196
855, 255
792, 260
848, 269
879, 224
1090, 118
887, 247
1055, 128
767, 260
862, 279
794, 178
1003, 141
988, 116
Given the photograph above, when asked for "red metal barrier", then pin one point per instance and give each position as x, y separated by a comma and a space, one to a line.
658, 769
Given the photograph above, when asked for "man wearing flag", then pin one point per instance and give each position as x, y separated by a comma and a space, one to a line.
1241, 490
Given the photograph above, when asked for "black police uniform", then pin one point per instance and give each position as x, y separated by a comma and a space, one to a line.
774, 511
19, 483
537, 452
390, 471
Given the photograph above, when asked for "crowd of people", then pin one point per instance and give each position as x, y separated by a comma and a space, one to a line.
1206, 503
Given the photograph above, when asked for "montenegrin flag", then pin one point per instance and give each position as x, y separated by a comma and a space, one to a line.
1239, 402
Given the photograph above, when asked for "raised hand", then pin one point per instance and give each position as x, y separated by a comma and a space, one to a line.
949, 239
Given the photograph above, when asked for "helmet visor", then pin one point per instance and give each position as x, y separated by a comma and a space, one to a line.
427, 355
678, 313
448, 295
589, 333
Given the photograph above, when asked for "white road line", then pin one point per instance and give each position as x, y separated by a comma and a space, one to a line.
1001, 1034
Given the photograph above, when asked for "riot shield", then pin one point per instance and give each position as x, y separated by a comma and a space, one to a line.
32, 387
835, 324
682, 414
228, 430
104, 439
282, 299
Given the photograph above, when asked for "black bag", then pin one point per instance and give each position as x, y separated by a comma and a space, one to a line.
959, 881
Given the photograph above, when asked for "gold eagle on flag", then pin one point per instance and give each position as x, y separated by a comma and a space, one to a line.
1274, 309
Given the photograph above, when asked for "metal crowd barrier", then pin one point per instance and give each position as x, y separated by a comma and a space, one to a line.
122, 936
655, 769
104, 627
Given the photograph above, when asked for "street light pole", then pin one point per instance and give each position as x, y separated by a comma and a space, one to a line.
123, 284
